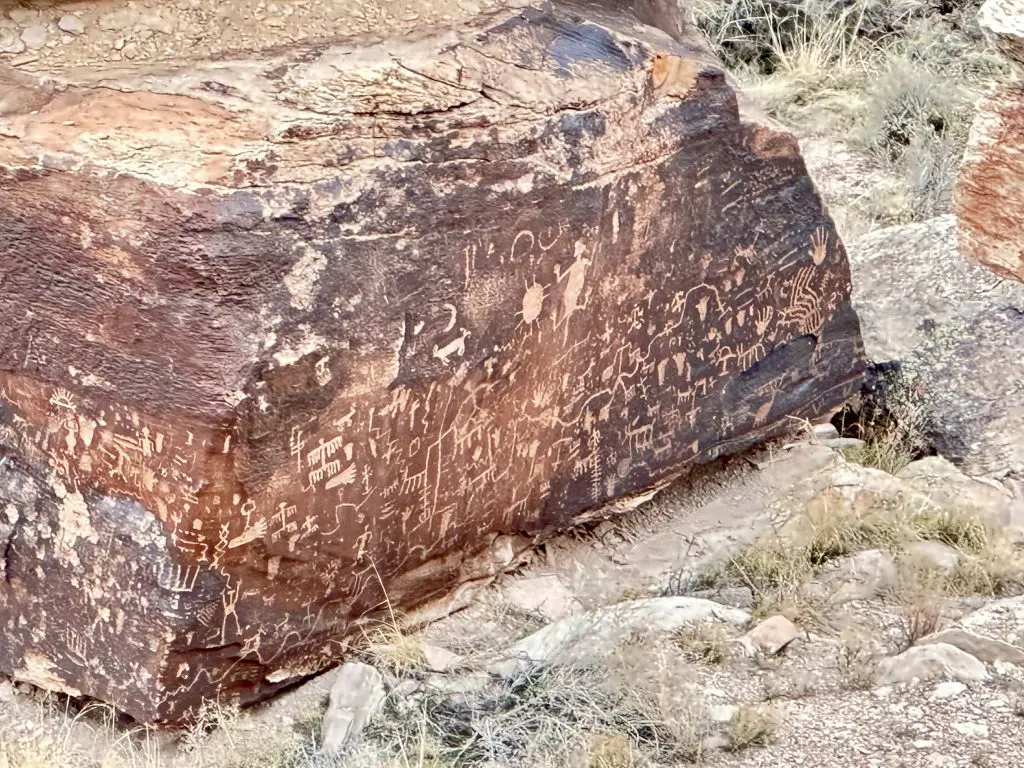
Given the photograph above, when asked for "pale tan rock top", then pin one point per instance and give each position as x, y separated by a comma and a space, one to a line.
35, 35
1003, 24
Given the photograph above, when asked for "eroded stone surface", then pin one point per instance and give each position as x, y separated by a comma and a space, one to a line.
293, 334
990, 188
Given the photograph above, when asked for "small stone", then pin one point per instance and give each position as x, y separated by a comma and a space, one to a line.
439, 659
723, 713
119, 44
6, 691
23, 15
883, 693
977, 730
947, 690
825, 432
770, 636
130, 51
10, 42
71, 24
34, 37
931, 662
923, 744
356, 695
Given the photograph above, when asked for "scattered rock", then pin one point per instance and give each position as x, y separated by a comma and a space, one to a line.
722, 713
947, 690
23, 16
71, 24
770, 636
932, 556
439, 659
34, 37
356, 695
597, 633
987, 649
975, 730
825, 432
931, 662
546, 596
10, 42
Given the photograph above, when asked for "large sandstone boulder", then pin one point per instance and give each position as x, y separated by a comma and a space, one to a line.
293, 334
990, 188
954, 329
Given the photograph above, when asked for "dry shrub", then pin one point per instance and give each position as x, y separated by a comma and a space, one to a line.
705, 642
613, 750
962, 531
920, 596
857, 658
996, 569
753, 726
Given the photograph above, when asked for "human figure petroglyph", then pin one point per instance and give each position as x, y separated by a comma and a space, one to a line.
574, 277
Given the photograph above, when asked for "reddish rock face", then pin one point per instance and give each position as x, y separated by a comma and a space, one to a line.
990, 188
285, 336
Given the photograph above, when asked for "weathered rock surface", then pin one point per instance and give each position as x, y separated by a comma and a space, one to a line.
986, 649
356, 695
935, 661
990, 188
953, 327
290, 333
770, 636
592, 635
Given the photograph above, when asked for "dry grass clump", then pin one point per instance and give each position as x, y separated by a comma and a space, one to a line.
920, 597
903, 74
705, 642
390, 649
780, 569
893, 421
544, 717
995, 569
752, 726
962, 531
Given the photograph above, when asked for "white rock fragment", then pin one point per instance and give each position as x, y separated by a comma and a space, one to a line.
596, 634
931, 662
71, 24
356, 695
34, 37
947, 690
987, 649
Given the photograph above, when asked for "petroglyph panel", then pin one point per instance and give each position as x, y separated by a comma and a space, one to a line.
303, 345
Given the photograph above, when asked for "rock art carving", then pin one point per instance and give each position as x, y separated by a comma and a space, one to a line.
292, 331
